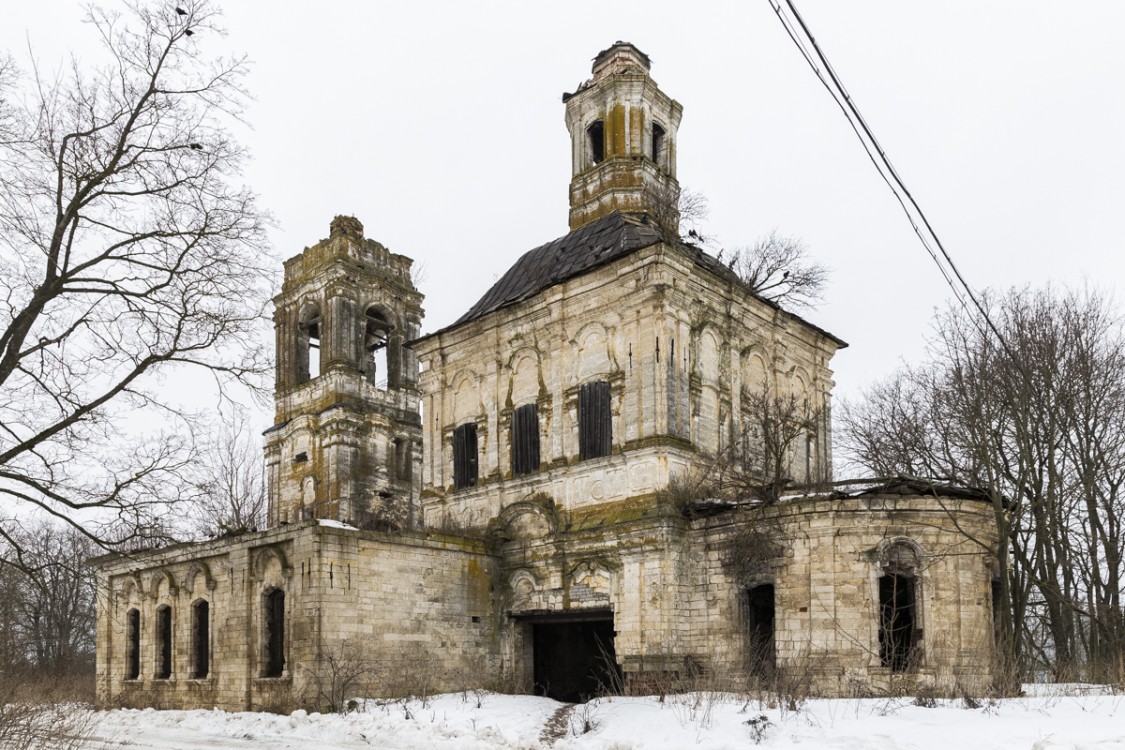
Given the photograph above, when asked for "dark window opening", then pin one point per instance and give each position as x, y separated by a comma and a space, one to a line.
163, 642
301, 457
308, 343
275, 633
762, 653
525, 439
402, 458
596, 134
465, 456
595, 425
897, 633
133, 645
201, 640
997, 610
575, 661
657, 142
376, 334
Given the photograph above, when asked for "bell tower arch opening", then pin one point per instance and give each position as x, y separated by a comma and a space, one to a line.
376, 340
308, 342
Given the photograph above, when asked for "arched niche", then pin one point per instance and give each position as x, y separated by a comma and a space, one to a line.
592, 352
270, 566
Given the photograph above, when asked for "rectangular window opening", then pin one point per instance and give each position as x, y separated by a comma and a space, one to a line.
465, 456
762, 652
201, 641
897, 622
275, 633
525, 439
133, 645
595, 423
163, 643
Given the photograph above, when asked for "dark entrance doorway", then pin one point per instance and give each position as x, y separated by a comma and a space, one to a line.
574, 659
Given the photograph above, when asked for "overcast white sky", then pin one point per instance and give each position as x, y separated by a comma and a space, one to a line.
440, 126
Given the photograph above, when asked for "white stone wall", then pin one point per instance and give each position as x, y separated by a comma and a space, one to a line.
419, 607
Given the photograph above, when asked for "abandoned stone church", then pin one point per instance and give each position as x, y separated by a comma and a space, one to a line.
507, 502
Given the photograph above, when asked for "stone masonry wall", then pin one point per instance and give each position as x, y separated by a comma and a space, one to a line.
407, 601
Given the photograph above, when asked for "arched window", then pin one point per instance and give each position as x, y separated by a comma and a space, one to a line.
308, 343
163, 642
899, 631
200, 639
133, 645
274, 621
377, 331
657, 142
595, 134
465, 455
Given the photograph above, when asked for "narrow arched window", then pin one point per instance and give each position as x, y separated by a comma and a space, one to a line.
595, 134
465, 455
163, 642
200, 640
376, 336
274, 616
308, 343
899, 631
133, 645
657, 142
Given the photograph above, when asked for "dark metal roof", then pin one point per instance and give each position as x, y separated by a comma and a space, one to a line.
602, 241
599, 242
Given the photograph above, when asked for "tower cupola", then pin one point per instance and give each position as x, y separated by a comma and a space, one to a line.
623, 141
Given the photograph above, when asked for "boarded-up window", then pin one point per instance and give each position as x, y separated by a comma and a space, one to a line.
200, 640
133, 645
525, 439
275, 633
761, 655
595, 426
896, 621
465, 455
163, 642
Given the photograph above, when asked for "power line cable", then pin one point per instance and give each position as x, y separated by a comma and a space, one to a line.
883, 164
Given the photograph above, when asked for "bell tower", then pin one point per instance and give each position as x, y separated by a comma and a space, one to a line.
623, 141
346, 444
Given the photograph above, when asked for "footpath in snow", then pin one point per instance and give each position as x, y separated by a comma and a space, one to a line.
1054, 719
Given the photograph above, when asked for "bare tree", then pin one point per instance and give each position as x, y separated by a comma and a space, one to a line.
128, 254
1038, 423
779, 269
231, 486
50, 592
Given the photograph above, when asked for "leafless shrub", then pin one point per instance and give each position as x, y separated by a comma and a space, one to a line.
340, 671
35, 714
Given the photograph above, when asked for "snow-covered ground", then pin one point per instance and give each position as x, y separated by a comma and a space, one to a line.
1047, 719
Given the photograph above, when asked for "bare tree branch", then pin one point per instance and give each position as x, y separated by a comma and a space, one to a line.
129, 254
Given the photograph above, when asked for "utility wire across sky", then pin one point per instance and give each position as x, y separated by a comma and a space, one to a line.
802, 37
